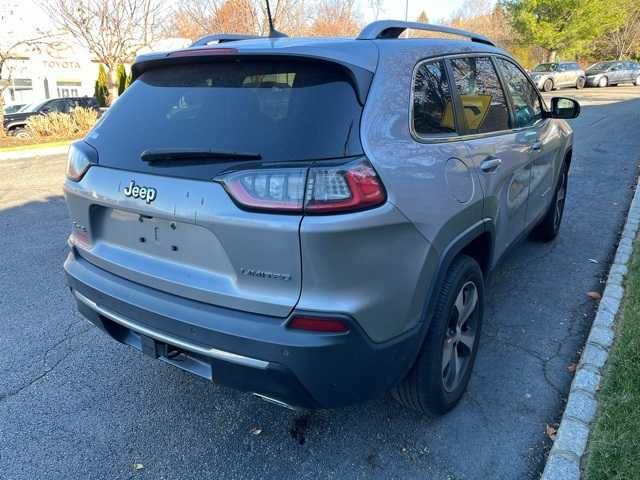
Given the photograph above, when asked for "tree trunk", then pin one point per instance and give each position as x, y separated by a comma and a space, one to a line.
112, 84
553, 54
2, 132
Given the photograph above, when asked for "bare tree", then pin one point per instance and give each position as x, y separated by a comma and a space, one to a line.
627, 38
376, 6
194, 18
335, 18
112, 30
486, 18
12, 48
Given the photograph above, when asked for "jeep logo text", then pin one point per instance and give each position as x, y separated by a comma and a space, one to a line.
147, 194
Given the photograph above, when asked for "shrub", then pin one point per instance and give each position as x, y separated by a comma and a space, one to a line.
62, 125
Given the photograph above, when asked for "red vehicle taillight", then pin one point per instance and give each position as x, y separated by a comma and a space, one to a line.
320, 189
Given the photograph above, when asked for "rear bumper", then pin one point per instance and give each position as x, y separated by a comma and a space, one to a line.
245, 351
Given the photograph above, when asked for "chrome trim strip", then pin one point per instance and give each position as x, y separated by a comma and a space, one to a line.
275, 401
209, 352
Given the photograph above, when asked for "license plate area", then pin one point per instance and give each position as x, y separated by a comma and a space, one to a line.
156, 237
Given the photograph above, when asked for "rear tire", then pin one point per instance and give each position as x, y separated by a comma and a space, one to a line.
548, 85
580, 83
549, 226
440, 375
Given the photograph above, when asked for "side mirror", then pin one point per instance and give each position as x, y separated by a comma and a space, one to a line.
562, 107
45, 110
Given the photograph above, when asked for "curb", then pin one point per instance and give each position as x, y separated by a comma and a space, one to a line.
35, 152
571, 440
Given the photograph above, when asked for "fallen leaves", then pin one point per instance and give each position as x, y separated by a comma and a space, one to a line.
551, 431
594, 295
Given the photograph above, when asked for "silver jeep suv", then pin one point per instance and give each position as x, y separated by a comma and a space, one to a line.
314, 220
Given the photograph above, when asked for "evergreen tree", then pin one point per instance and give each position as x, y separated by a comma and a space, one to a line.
121, 79
102, 87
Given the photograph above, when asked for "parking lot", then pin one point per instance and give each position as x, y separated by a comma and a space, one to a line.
75, 404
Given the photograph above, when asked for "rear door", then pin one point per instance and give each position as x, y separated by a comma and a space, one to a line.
500, 155
153, 210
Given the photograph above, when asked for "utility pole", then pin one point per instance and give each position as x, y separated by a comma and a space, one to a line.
406, 17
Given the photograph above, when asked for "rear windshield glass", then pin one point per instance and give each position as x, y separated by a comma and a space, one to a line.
280, 110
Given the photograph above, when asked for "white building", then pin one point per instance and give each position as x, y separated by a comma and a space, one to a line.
41, 72
46, 73
36, 73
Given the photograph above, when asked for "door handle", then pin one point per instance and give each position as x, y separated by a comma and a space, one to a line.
490, 164
536, 147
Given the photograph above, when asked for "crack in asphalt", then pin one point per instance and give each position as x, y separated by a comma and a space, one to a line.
66, 337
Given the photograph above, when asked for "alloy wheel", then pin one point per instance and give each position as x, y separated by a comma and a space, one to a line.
603, 82
460, 337
560, 197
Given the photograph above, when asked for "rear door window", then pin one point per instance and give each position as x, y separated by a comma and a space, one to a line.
524, 96
279, 109
483, 100
432, 103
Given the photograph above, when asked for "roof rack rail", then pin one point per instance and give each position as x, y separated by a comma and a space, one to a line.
394, 28
222, 38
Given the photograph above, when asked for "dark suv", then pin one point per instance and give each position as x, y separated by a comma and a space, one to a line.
313, 220
15, 123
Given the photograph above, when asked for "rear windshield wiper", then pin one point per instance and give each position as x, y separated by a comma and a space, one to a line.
183, 157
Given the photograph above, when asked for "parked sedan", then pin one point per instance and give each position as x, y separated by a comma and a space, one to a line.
551, 76
614, 72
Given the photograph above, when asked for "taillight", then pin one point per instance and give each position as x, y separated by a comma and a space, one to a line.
81, 156
319, 189
318, 324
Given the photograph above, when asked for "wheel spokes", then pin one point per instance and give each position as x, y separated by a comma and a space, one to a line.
466, 303
467, 339
459, 340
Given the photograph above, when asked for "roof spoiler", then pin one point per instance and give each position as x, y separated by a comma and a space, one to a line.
393, 29
222, 38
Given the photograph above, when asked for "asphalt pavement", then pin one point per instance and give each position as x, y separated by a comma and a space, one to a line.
76, 405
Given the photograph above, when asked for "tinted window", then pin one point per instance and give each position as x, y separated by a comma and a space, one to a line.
485, 107
526, 103
432, 106
283, 110
57, 106
546, 67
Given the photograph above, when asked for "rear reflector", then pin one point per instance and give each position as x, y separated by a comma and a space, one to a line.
318, 324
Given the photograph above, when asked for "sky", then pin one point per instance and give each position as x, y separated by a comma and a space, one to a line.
437, 10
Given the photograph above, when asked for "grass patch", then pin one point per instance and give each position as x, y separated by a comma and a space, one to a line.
614, 445
11, 143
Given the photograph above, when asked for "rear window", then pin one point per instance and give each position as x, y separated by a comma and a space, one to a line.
281, 110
